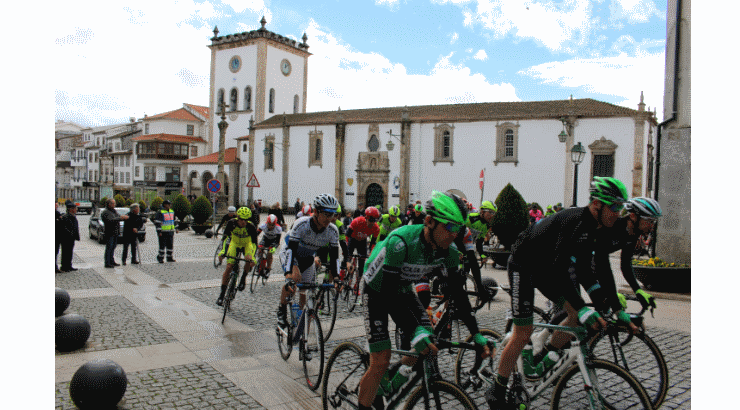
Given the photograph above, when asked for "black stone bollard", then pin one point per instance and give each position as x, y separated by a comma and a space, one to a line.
98, 384
71, 332
209, 233
62, 300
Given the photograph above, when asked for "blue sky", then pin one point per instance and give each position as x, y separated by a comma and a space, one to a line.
124, 59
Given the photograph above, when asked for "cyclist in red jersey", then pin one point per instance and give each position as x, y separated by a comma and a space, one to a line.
359, 230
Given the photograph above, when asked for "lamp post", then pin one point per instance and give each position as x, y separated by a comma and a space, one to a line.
222, 125
576, 155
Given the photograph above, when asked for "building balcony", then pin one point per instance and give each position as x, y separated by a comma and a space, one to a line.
169, 157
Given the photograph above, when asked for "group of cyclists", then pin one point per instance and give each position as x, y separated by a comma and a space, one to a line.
557, 255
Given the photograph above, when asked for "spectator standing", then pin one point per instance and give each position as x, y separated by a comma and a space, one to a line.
131, 228
278, 212
111, 220
535, 214
57, 234
255, 219
297, 205
165, 223
70, 233
231, 214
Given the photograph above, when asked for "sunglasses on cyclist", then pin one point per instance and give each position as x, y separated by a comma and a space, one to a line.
617, 207
449, 226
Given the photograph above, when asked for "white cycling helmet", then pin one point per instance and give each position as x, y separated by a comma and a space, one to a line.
232, 209
326, 202
271, 219
306, 210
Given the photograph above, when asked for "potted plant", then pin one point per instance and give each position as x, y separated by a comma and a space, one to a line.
661, 276
510, 219
181, 208
154, 207
202, 210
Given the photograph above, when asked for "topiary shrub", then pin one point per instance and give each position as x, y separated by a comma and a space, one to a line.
120, 201
181, 207
202, 209
129, 201
142, 205
511, 217
156, 204
103, 202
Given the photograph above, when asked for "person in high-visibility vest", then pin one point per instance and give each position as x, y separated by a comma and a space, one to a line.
165, 224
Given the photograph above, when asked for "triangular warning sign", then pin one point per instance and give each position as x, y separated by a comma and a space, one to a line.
253, 183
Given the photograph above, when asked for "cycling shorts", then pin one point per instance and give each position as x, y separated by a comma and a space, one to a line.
522, 284
270, 243
406, 311
234, 250
308, 275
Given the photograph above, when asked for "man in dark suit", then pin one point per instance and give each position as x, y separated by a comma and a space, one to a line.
70, 233
57, 234
131, 228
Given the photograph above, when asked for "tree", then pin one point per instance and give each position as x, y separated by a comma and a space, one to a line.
181, 207
511, 217
156, 204
201, 210
104, 202
142, 205
120, 200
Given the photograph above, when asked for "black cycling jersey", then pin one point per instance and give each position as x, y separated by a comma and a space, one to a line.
549, 255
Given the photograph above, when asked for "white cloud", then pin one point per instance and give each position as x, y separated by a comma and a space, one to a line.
481, 55
634, 11
558, 26
341, 76
621, 76
145, 56
241, 5
455, 36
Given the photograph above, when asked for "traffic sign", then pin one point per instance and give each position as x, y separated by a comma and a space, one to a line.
214, 185
482, 178
253, 183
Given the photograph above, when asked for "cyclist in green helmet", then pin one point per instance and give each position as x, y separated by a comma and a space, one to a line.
389, 222
417, 216
405, 257
545, 256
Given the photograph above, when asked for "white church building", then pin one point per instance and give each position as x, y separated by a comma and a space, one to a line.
397, 155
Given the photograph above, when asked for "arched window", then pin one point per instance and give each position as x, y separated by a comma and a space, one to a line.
272, 100
234, 98
317, 153
248, 98
220, 100
295, 104
446, 144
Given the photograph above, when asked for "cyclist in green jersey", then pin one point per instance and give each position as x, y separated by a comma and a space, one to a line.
478, 223
406, 256
389, 222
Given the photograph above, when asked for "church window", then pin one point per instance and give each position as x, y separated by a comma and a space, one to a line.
373, 143
234, 99
603, 152
248, 98
315, 153
272, 100
219, 100
269, 152
507, 143
443, 143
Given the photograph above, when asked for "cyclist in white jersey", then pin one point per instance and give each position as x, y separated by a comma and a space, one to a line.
271, 233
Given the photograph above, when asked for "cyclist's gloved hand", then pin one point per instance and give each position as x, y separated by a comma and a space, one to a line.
623, 317
421, 338
480, 340
622, 300
645, 299
588, 316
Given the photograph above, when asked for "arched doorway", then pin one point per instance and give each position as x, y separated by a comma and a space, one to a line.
374, 195
207, 176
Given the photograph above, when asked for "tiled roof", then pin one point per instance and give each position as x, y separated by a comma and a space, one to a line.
168, 138
229, 157
201, 109
178, 114
497, 111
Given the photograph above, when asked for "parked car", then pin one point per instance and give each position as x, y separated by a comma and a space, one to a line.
97, 228
84, 207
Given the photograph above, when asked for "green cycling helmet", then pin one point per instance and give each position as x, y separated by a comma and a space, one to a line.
244, 213
419, 208
447, 208
394, 211
488, 205
608, 190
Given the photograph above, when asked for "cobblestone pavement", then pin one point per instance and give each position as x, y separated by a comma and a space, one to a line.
193, 386
202, 379
116, 323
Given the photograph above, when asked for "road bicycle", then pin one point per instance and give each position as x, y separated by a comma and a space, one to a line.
326, 301
350, 288
425, 388
304, 329
260, 267
580, 381
233, 276
637, 353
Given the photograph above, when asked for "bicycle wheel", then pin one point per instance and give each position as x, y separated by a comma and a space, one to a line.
344, 370
263, 272
312, 351
255, 274
216, 263
471, 286
442, 395
466, 359
617, 389
327, 307
230, 293
354, 291
285, 342
642, 358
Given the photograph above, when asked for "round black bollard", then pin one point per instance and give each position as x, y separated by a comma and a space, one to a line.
209, 233
71, 332
62, 301
98, 384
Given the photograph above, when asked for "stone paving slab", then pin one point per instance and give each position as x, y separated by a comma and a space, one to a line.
182, 271
191, 386
116, 323
80, 279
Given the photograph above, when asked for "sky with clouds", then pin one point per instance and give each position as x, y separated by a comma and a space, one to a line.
117, 60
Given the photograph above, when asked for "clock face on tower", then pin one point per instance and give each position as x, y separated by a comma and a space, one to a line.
285, 67
235, 64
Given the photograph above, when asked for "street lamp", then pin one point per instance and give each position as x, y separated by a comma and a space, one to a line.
576, 155
563, 134
389, 145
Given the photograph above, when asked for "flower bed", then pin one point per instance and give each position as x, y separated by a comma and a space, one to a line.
660, 276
